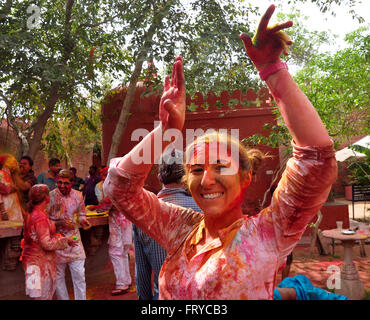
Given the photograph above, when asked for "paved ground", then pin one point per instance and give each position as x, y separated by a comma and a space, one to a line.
100, 277
100, 282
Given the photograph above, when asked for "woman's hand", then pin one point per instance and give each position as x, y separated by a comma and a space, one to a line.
172, 105
268, 42
72, 241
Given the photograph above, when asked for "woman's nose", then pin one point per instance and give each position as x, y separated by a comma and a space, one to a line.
208, 178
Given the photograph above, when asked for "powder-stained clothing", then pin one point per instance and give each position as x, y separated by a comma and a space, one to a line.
120, 239
149, 255
242, 263
10, 199
38, 257
70, 207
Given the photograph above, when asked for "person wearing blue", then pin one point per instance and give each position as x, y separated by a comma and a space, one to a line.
301, 288
89, 190
50, 178
149, 255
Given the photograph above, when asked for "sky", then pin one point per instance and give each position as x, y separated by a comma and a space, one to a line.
341, 24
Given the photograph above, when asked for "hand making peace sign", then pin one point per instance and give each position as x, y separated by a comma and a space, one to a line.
268, 42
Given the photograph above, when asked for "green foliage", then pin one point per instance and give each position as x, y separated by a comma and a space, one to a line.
51, 71
55, 66
327, 6
70, 134
360, 168
306, 42
337, 85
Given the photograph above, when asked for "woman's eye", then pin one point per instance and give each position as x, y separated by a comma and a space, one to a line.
196, 170
220, 167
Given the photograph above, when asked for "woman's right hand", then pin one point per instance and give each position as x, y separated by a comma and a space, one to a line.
172, 105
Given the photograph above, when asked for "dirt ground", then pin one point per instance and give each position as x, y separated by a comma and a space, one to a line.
100, 283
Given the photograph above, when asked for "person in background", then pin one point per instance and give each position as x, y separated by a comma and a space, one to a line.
120, 238
150, 255
78, 183
10, 204
49, 178
40, 243
300, 288
90, 183
24, 179
67, 211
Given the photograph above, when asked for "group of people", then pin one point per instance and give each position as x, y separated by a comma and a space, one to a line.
52, 208
193, 235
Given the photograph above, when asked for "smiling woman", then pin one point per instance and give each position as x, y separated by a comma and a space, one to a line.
224, 254
218, 171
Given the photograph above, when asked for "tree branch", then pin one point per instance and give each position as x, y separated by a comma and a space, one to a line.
87, 25
13, 124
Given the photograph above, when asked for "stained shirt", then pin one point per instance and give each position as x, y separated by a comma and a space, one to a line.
179, 197
70, 207
242, 263
119, 226
40, 244
176, 196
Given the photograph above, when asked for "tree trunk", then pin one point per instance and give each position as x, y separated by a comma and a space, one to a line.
38, 127
130, 94
36, 130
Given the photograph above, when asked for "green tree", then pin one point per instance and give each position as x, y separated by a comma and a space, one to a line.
203, 32
337, 85
50, 59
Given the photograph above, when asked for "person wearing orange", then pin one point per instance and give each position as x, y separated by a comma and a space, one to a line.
223, 254
10, 203
39, 246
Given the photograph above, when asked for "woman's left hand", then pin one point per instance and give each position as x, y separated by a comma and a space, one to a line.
268, 42
172, 105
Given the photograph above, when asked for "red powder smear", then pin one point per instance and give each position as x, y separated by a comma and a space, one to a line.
209, 153
276, 92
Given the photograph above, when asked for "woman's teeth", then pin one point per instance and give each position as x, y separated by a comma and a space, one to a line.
212, 195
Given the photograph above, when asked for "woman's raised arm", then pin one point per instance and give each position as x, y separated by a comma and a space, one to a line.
172, 116
264, 50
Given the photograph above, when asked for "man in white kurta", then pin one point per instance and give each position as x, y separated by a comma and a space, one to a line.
67, 210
